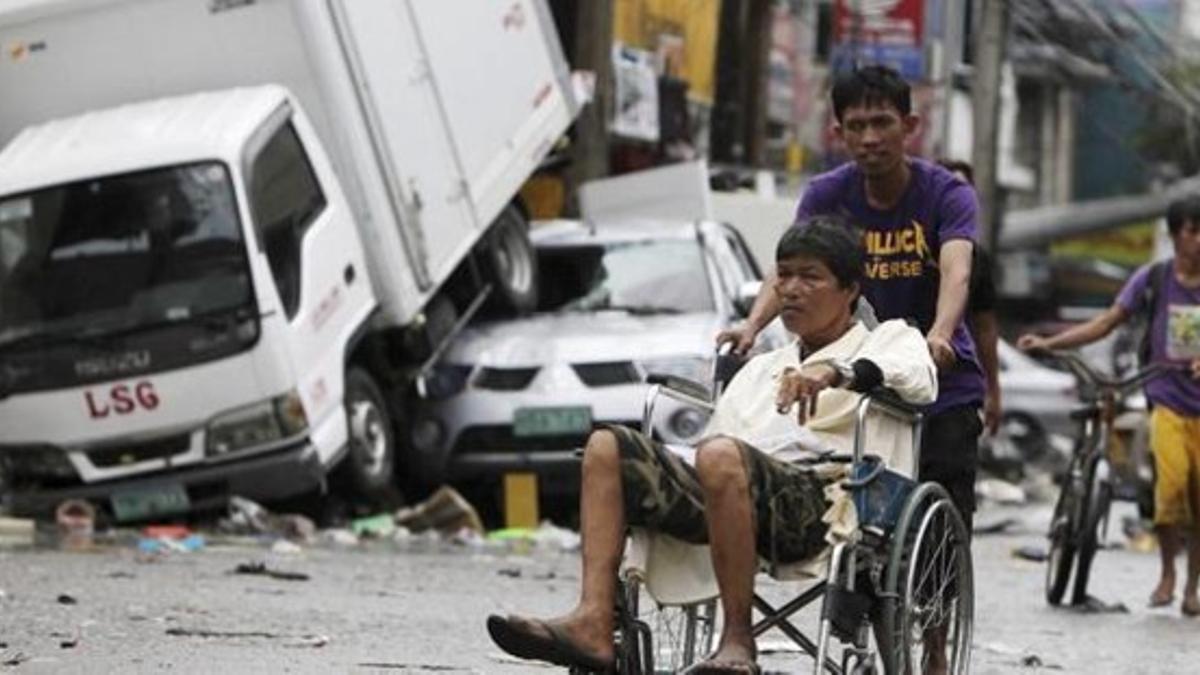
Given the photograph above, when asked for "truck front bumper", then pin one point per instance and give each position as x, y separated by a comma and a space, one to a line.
276, 475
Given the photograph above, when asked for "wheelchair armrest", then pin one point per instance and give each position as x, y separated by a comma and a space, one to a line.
673, 384
679, 388
889, 402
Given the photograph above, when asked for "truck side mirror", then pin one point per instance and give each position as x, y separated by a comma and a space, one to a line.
747, 293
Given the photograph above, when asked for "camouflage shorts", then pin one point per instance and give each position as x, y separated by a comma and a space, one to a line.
662, 492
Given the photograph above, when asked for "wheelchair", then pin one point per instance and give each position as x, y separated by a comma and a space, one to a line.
905, 580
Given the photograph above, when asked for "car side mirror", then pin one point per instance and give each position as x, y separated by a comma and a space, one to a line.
747, 293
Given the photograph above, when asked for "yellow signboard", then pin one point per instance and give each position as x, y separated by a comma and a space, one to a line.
682, 32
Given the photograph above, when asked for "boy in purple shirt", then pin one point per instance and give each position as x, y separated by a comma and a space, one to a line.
918, 225
1175, 396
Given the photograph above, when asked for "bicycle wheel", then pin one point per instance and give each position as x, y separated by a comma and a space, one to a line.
1099, 498
928, 605
1062, 537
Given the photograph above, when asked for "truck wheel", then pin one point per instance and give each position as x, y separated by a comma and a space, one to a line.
511, 263
370, 461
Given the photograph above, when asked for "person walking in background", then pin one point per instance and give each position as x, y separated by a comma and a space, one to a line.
1174, 336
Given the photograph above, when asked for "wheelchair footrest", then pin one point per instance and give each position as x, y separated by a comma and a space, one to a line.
846, 611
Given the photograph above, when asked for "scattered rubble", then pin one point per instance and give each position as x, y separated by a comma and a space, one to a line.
261, 569
999, 491
445, 511
16, 531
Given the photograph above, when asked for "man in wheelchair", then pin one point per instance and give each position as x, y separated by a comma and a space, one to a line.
750, 495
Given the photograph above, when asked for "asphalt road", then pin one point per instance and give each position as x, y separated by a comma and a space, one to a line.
419, 607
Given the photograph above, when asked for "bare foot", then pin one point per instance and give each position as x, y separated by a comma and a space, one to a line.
1164, 593
732, 656
1191, 605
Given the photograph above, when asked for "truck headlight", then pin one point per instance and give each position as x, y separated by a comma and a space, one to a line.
256, 424
694, 368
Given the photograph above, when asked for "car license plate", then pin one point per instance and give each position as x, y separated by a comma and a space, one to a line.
142, 504
552, 421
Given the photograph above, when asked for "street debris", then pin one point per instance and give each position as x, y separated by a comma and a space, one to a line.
76, 524
374, 527
65, 599
313, 641
445, 511
1030, 552
547, 535
383, 665
247, 517
995, 527
169, 538
999, 491
16, 531
339, 537
261, 569
285, 547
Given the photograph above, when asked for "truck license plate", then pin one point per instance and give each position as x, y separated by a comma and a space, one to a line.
142, 504
552, 421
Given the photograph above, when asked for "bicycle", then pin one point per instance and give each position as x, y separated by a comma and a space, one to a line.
1080, 521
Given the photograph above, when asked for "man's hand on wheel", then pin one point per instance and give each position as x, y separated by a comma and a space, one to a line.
740, 336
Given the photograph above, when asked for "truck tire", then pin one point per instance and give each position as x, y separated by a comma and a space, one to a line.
510, 263
368, 471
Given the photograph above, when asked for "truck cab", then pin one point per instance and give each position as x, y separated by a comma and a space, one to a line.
181, 282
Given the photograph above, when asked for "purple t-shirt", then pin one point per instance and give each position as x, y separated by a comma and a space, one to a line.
902, 246
1174, 337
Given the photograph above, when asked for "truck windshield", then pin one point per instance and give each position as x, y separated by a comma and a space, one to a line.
641, 277
116, 253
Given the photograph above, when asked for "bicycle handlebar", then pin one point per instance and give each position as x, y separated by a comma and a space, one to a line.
1089, 377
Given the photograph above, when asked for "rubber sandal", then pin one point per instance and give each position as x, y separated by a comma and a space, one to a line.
555, 647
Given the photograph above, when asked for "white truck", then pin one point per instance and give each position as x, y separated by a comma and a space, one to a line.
235, 234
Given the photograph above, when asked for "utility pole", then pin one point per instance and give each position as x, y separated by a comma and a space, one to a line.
985, 91
754, 72
952, 42
593, 52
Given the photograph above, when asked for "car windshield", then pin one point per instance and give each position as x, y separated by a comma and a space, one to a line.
649, 277
115, 253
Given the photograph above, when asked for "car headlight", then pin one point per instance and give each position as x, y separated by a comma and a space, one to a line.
444, 380
256, 424
692, 368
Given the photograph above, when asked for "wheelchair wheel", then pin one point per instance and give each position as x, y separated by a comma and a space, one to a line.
663, 638
1094, 517
928, 603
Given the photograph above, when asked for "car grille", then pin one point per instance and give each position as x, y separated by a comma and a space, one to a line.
132, 453
505, 379
607, 374
475, 440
